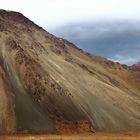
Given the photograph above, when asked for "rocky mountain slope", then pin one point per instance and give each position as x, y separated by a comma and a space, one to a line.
136, 66
49, 85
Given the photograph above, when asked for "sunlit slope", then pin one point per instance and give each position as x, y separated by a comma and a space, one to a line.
53, 85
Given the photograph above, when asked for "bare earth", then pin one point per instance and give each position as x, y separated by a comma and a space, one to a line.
73, 137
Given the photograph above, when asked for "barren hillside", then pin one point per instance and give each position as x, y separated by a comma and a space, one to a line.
49, 85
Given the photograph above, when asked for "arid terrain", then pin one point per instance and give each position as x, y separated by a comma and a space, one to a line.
48, 85
73, 137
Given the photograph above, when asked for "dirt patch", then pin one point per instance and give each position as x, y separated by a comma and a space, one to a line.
71, 127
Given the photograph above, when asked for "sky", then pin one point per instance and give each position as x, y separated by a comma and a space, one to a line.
117, 40
110, 28
52, 13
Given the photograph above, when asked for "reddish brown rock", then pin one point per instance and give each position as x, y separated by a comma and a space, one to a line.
136, 66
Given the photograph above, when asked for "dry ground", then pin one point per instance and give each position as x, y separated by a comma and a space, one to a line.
73, 137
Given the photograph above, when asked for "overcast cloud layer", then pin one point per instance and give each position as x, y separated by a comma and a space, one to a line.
116, 40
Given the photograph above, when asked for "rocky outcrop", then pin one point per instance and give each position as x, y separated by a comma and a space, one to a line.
136, 66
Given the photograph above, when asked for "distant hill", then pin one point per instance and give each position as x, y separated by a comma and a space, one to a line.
136, 66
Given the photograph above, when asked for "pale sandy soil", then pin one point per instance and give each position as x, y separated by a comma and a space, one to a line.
73, 137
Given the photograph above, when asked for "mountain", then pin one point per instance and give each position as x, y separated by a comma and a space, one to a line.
48, 85
136, 66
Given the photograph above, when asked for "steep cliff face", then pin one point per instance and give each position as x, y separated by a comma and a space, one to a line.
49, 85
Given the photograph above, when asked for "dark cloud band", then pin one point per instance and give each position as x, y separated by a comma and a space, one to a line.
116, 40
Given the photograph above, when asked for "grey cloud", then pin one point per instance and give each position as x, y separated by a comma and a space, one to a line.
124, 59
106, 38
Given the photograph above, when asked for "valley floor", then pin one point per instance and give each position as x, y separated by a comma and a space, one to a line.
98, 136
